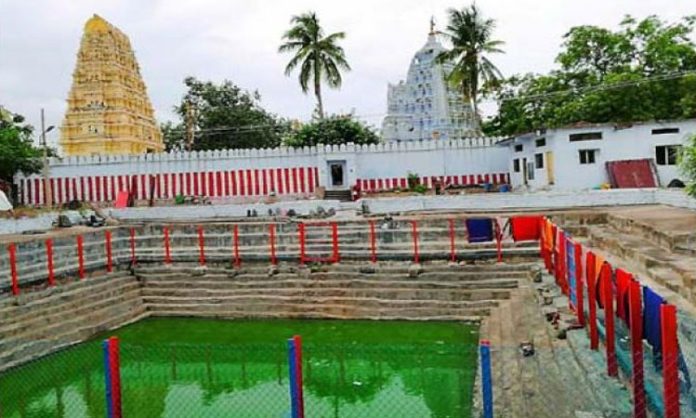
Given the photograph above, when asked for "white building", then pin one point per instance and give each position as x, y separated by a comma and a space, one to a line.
575, 158
424, 106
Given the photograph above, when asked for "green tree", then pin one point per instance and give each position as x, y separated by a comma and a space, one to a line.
642, 71
334, 130
687, 164
319, 57
17, 151
471, 37
225, 117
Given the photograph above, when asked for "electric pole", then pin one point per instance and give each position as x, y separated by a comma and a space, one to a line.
189, 119
48, 192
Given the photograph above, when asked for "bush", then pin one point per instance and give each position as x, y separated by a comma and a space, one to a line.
413, 180
420, 188
335, 130
687, 165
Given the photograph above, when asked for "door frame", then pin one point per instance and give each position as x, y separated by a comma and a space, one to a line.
329, 183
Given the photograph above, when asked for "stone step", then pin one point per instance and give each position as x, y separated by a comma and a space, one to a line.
367, 294
59, 298
99, 322
60, 314
451, 276
378, 268
56, 325
253, 302
308, 310
186, 284
673, 271
39, 295
610, 393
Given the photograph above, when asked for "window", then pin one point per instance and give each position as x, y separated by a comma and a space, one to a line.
588, 156
519, 148
663, 131
585, 136
516, 165
667, 154
539, 160
541, 142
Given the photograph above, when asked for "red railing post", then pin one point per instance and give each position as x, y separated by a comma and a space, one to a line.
113, 377
235, 238
271, 238
80, 257
134, 260
334, 234
498, 240
591, 280
610, 340
298, 367
49, 262
636, 322
670, 358
414, 232
301, 236
201, 246
109, 259
12, 250
579, 284
373, 242
167, 247
453, 253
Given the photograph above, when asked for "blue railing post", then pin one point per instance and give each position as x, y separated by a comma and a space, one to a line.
112, 377
107, 380
486, 378
295, 376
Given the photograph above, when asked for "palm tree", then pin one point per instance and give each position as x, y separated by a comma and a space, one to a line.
470, 35
318, 56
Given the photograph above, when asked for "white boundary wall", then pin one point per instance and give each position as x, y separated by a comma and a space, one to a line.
285, 171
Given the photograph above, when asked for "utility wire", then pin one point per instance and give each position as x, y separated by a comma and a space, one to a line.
602, 87
530, 97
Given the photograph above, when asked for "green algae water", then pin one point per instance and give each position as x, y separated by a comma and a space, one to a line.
172, 367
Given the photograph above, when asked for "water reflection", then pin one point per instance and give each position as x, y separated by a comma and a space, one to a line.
179, 380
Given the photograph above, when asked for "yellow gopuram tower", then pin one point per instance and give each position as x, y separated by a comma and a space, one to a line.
109, 112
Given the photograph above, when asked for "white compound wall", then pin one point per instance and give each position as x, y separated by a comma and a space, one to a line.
284, 171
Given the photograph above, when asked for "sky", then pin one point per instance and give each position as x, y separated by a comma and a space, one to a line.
238, 40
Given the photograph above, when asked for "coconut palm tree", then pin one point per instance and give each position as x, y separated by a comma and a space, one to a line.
471, 37
319, 57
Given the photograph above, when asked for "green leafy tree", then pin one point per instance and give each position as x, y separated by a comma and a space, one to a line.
17, 151
319, 57
333, 130
687, 164
471, 36
225, 117
642, 71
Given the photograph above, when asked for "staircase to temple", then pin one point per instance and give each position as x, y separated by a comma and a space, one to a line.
341, 195
384, 291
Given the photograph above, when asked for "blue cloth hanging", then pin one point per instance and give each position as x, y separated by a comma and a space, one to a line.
652, 327
570, 263
479, 229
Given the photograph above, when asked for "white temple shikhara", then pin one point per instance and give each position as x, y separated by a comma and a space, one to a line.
425, 106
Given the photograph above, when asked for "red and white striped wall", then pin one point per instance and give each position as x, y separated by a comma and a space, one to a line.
246, 182
385, 184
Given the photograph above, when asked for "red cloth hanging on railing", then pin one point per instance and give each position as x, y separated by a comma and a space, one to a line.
525, 228
623, 283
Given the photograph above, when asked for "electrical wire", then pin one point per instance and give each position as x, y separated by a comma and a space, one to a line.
598, 88
530, 97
